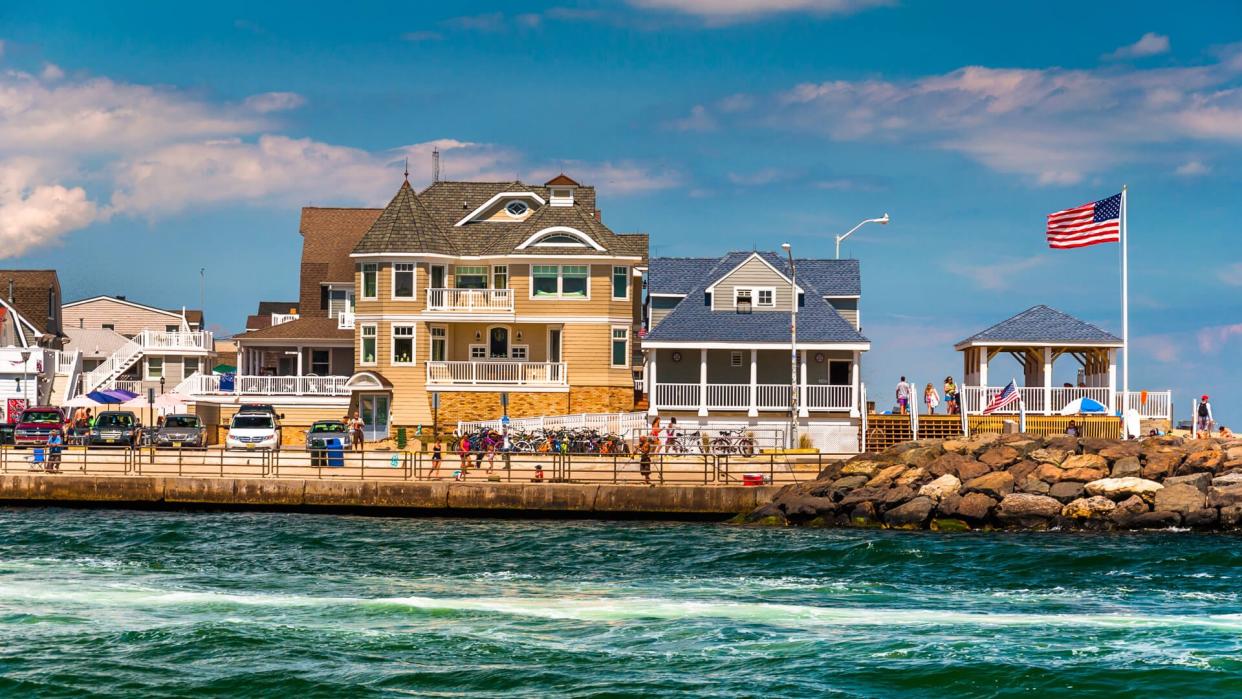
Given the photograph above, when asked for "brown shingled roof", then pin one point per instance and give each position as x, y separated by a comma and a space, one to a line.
328, 236
30, 296
406, 224
300, 329
562, 179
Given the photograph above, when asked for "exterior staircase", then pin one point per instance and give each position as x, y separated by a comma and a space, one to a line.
113, 367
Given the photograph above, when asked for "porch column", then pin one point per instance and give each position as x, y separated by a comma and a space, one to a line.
1048, 381
754, 384
983, 369
802, 411
1112, 380
854, 388
703, 382
651, 383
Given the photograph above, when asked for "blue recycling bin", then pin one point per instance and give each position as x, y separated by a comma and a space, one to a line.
227, 382
336, 453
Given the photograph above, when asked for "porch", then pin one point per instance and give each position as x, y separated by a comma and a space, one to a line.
472, 373
470, 300
497, 355
1045, 400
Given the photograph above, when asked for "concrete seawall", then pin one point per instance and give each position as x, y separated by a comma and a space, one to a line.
507, 499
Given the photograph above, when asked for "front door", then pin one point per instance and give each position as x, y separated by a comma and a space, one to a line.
437, 276
374, 414
498, 343
554, 345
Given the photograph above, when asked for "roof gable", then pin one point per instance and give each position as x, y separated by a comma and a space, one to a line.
1044, 325
406, 226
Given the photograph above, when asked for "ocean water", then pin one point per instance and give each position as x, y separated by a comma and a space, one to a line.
118, 603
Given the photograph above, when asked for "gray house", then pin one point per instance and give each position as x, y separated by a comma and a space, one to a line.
718, 344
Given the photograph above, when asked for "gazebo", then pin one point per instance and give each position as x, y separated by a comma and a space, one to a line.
1036, 338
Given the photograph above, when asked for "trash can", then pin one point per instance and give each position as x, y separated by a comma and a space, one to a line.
336, 453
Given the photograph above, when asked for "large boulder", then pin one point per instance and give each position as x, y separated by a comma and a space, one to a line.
1230, 516
942, 486
849, 482
1048, 473
1155, 520
1119, 488
1119, 450
997, 484
865, 467
1160, 464
1094, 507
1084, 468
1180, 498
1000, 457
1065, 491
1231, 478
1204, 518
980, 442
1050, 455
922, 456
1225, 495
974, 507
948, 463
1198, 480
1062, 441
1022, 469
896, 496
864, 514
910, 515
1204, 460
958, 446
1025, 509
1033, 485
885, 476
914, 476
1128, 509
1127, 466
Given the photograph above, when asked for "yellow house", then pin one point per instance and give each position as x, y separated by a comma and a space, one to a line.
468, 291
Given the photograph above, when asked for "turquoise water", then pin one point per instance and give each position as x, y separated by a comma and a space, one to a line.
99, 602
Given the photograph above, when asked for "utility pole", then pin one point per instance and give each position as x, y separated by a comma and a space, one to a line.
793, 348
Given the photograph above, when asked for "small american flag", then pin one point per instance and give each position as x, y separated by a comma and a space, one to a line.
1008, 395
1097, 222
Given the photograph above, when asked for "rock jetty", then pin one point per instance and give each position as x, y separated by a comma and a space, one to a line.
1020, 481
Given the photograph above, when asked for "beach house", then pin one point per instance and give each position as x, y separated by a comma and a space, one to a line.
719, 351
30, 338
477, 298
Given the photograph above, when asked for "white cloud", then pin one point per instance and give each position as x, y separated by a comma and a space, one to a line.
274, 102
616, 178
729, 11
34, 213
1192, 168
1052, 125
994, 276
51, 72
1214, 339
1150, 44
697, 120
1231, 274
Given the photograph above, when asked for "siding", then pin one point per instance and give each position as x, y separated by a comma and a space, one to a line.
660, 307
847, 308
126, 319
752, 273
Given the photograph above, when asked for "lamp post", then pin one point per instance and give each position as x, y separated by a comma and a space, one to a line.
793, 347
881, 220
25, 354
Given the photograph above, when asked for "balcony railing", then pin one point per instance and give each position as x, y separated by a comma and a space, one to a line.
266, 386
685, 396
500, 373
152, 340
282, 318
470, 300
1041, 401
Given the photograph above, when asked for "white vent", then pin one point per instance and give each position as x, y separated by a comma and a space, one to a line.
562, 196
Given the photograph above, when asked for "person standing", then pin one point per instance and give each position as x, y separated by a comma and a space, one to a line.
55, 444
655, 435
644, 458
952, 403
931, 398
356, 434
437, 455
1205, 416
903, 395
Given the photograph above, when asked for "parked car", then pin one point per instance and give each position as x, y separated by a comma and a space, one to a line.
35, 424
6, 432
252, 431
260, 408
323, 430
115, 428
181, 431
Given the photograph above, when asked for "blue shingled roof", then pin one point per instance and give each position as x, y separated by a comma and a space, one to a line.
678, 275
693, 320
1043, 325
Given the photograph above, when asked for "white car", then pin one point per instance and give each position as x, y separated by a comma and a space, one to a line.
252, 431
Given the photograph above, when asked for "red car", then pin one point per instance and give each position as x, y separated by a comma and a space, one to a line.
35, 424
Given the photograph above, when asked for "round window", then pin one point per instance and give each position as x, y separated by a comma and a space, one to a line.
516, 208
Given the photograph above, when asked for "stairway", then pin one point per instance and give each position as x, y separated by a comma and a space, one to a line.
113, 367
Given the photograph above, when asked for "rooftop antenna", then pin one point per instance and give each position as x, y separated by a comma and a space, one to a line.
435, 164
407, 169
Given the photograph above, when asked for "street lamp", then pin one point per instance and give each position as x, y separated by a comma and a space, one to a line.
881, 220
25, 354
793, 348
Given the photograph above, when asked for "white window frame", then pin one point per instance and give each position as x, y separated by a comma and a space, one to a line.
198, 366
750, 295
432, 337
146, 368
612, 283
327, 363
478, 353
500, 270
560, 284
735, 359
486, 274
362, 340
518, 216
413, 270
612, 341
374, 269
519, 353
412, 336
758, 292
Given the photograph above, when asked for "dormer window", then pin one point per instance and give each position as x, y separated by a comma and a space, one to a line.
560, 237
517, 209
562, 196
560, 240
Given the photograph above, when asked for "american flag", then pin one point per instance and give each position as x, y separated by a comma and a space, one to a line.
1097, 222
1008, 395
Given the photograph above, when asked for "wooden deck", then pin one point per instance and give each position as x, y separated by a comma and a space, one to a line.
884, 431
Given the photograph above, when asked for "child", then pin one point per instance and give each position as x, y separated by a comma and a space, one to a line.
931, 398
538, 474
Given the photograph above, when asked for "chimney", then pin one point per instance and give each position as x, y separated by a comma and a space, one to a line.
10, 290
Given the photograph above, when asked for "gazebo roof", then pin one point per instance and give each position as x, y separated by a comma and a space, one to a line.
1041, 325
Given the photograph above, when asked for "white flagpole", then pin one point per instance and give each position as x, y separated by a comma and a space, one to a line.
1125, 304
1021, 408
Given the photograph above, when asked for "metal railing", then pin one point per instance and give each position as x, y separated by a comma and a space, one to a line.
380, 465
612, 423
470, 300
508, 373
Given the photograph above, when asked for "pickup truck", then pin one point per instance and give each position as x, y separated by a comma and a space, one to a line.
35, 424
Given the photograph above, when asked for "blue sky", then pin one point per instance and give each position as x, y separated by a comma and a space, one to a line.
137, 146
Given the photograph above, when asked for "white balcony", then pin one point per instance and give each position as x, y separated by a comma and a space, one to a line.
497, 373
768, 397
282, 318
1038, 400
470, 300
155, 341
208, 385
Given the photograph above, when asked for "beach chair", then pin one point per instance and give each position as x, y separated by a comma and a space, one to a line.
37, 460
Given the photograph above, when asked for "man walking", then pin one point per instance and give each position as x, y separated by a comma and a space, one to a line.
1205, 417
903, 395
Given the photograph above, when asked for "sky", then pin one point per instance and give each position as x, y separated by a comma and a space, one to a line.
163, 154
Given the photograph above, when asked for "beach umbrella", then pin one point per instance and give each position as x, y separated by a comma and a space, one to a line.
81, 401
136, 403
224, 369
112, 396
171, 402
1080, 406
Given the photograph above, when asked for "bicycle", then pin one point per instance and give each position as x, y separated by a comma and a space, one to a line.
733, 442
